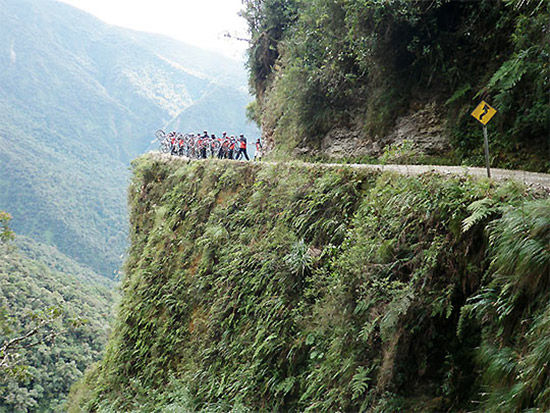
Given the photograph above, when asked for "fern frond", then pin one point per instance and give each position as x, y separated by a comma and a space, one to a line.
459, 93
360, 382
510, 73
480, 210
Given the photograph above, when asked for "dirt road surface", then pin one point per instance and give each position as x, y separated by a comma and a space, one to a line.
533, 179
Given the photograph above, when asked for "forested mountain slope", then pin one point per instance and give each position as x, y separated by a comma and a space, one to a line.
38, 283
286, 287
78, 100
348, 78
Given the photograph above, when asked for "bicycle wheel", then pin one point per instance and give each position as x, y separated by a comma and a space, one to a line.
165, 146
160, 135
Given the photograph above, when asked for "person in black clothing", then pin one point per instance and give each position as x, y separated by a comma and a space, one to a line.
242, 148
205, 142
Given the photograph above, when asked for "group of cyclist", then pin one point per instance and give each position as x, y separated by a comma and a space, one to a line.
202, 145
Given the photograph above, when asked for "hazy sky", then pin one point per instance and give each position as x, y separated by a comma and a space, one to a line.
197, 22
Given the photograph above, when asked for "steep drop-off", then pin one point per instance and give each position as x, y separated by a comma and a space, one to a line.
259, 287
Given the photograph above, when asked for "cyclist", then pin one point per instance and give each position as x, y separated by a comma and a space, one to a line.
232, 144
190, 145
225, 147
242, 148
222, 148
181, 144
202, 143
172, 136
213, 141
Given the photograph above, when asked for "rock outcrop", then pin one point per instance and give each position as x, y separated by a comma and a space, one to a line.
423, 126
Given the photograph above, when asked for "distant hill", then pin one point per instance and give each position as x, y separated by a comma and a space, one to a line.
78, 100
34, 278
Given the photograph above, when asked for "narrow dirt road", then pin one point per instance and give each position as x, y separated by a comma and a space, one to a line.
534, 179
530, 178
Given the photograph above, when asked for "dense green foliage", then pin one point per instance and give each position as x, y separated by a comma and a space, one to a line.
322, 64
515, 311
79, 100
294, 288
69, 305
5, 232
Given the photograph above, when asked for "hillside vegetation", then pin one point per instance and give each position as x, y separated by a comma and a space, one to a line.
254, 287
71, 305
360, 72
79, 99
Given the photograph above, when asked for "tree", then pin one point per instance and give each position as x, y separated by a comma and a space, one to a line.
267, 22
53, 324
5, 233
40, 332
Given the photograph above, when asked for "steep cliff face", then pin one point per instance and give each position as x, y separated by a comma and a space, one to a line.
290, 288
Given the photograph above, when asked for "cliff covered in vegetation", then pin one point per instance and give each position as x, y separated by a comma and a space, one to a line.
349, 78
255, 287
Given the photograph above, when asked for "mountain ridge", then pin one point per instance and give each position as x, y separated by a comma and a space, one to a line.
78, 100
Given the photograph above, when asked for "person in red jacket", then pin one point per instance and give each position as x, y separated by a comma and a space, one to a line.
242, 148
181, 144
232, 143
173, 147
224, 148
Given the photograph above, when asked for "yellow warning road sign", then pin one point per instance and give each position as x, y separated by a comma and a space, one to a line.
484, 112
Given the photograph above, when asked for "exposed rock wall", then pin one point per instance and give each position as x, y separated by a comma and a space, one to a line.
424, 126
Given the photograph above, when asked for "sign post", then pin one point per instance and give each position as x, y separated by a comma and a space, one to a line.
486, 139
484, 113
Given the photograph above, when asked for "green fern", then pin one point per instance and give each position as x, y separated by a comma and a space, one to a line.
299, 259
520, 244
360, 382
460, 93
510, 73
517, 371
479, 211
397, 308
518, 4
